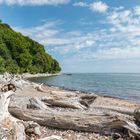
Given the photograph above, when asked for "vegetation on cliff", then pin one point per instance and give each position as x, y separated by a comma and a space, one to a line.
20, 54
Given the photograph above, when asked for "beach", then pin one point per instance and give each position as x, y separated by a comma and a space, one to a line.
67, 115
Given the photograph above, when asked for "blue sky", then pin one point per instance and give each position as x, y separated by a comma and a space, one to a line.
84, 36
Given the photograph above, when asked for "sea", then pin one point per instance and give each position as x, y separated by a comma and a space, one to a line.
121, 85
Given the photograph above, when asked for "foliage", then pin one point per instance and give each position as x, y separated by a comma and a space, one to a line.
20, 54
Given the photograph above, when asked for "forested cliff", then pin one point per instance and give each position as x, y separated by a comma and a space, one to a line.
20, 54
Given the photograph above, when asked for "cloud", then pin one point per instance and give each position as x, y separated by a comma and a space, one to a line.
49, 35
99, 7
115, 53
45, 34
80, 4
33, 2
137, 10
119, 40
100, 44
125, 21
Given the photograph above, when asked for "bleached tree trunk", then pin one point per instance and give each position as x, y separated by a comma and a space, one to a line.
4, 103
78, 121
5, 116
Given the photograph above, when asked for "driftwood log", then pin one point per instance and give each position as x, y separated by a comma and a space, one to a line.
84, 122
4, 103
6, 119
102, 123
39, 88
12, 128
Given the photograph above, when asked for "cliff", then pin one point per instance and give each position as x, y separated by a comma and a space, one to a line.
20, 54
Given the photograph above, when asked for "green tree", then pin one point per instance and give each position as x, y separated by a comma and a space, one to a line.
2, 65
20, 54
25, 61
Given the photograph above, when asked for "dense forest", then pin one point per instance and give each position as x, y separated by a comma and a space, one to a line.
20, 54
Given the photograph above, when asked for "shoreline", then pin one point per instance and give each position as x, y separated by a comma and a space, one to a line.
91, 93
28, 75
81, 91
61, 112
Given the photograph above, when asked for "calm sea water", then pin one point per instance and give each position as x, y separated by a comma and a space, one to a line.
126, 86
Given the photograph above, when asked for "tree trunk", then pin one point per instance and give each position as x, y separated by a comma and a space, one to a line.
4, 103
78, 121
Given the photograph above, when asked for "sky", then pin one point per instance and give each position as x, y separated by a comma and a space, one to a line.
83, 35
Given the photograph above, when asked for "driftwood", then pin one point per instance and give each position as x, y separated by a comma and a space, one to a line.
78, 121
21, 129
73, 103
78, 112
35, 103
5, 118
39, 87
4, 103
62, 120
116, 109
53, 137
87, 122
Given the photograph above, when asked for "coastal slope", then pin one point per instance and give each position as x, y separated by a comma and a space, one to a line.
20, 54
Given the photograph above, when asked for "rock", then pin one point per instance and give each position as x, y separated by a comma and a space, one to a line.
33, 129
8, 87
116, 136
4, 132
137, 114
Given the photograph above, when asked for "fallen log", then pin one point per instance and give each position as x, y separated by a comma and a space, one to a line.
65, 120
71, 103
35, 103
4, 103
86, 122
98, 122
10, 124
39, 88
121, 110
82, 102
